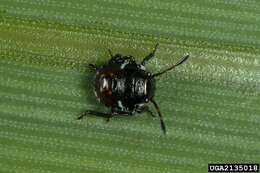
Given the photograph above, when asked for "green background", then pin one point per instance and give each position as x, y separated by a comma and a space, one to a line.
211, 104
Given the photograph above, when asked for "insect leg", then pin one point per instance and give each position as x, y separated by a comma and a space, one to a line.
93, 67
110, 116
150, 112
160, 116
145, 109
110, 53
150, 56
99, 114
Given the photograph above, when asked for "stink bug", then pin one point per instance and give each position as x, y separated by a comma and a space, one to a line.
126, 86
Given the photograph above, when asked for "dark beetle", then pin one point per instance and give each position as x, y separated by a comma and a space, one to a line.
125, 86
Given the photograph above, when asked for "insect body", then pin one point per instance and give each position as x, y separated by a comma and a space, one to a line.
125, 86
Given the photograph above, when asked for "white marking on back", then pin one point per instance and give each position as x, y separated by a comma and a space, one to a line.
120, 105
145, 85
104, 85
124, 64
95, 93
142, 67
140, 105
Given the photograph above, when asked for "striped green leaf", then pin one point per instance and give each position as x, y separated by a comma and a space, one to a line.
211, 104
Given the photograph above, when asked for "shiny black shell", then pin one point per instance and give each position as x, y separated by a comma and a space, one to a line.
124, 85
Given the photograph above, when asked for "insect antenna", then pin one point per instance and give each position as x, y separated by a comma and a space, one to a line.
110, 53
172, 67
160, 116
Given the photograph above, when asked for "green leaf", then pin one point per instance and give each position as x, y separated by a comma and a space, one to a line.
211, 104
